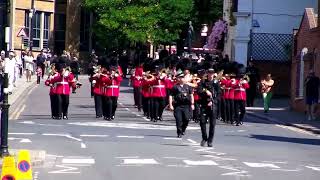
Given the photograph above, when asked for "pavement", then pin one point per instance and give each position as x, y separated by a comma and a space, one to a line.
281, 113
131, 147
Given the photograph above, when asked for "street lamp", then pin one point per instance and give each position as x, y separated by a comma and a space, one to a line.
31, 13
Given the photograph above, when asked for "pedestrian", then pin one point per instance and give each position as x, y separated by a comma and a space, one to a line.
254, 77
28, 59
181, 101
312, 85
39, 74
208, 92
40, 61
9, 66
266, 90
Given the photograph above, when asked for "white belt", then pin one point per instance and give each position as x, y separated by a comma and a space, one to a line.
62, 83
241, 89
158, 86
112, 86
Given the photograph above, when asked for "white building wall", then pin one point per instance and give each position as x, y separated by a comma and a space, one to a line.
279, 16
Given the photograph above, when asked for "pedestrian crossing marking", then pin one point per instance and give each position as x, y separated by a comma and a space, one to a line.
261, 165
140, 161
313, 168
77, 161
200, 163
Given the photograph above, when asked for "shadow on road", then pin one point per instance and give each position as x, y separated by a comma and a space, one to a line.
315, 142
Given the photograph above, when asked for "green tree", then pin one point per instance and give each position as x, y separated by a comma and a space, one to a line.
140, 21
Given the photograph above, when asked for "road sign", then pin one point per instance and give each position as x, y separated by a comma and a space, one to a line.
24, 170
22, 33
8, 169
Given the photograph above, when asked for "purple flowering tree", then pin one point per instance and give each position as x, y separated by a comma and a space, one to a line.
218, 30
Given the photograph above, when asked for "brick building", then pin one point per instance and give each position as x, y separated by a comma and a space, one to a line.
306, 56
56, 24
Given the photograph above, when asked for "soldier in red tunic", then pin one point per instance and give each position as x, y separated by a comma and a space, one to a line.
54, 101
111, 90
240, 99
136, 80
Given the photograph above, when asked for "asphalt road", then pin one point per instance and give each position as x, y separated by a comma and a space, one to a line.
131, 147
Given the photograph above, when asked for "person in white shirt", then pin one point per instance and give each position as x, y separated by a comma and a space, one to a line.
28, 60
9, 67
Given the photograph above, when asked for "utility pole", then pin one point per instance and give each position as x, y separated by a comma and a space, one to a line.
31, 13
5, 118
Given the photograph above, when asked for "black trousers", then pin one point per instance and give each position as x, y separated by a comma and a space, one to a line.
54, 102
182, 116
137, 97
209, 113
146, 106
196, 112
111, 104
38, 79
158, 106
230, 110
240, 110
223, 110
98, 104
251, 95
219, 108
63, 105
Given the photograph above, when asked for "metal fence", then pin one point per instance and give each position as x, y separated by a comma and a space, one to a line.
271, 47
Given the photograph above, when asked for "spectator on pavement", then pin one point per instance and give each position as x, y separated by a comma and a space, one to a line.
266, 90
75, 67
9, 67
41, 59
2, 59
29, 65
312, 85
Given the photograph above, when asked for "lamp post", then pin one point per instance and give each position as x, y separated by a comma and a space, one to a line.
4, 118
31, 13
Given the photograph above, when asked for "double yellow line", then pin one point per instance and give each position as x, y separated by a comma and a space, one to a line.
20, 106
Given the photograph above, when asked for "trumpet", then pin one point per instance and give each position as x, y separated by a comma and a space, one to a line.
246, 77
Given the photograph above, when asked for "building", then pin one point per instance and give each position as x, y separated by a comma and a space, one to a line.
262, 30
306, 56
56, 24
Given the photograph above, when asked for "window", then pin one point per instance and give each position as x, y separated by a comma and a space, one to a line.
46, 28
37, 19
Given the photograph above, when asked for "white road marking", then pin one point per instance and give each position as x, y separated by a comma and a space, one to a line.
207, 150
92, 135
240, 173
25, 141
140, 161
287, 170
127, 109
167, 138
200, 163
63, 135
229, 168
66, 170
71, 137
276, 162
313, 168
192, 141
178, 165
128, 157
242, 130
174, 158
297, 130
131, 137
78, 161
130, 125
22, 134
261, 165
83, 145
219, 158
27, 122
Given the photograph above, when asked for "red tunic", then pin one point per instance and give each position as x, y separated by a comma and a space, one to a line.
225, 84
63, 83
145, 88
111, 86
240, 91
137, 77
52, 86
97, 85
159, 88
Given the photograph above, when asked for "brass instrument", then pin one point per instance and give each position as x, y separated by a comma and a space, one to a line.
246, 77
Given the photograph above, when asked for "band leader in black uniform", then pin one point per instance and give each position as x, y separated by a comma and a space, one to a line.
181, 101
208, 91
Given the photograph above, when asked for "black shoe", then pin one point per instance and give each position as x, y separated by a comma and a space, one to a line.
203, 143
209, 144
148, 117
183, 133
179, 136
237, 124
112, 117
65, 117
98, 116
265, 111
73, 92
59, 118
105, 118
